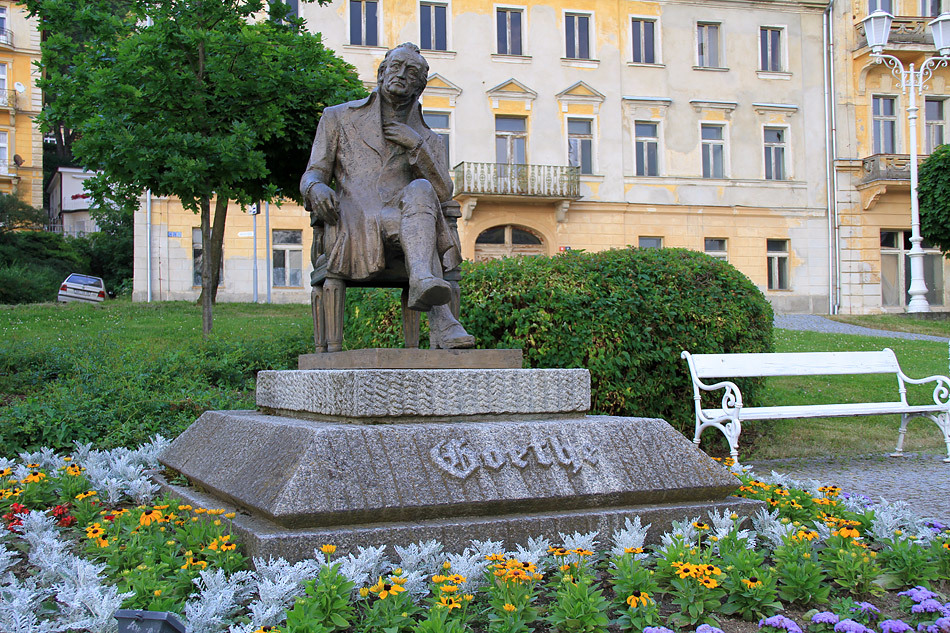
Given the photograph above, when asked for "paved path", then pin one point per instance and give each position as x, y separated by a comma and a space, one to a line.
922, 480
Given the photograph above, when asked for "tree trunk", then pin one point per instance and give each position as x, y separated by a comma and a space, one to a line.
216, 246
207, 283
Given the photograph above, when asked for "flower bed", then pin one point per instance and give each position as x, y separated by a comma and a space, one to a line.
85, 535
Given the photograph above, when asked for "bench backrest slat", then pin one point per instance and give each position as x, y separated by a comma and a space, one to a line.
794, 364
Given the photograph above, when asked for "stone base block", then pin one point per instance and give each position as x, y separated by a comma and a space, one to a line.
263, 538
385, 358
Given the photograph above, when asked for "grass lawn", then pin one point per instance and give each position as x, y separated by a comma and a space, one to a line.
144, 331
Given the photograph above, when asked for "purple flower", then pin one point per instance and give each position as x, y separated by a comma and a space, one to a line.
918, 594
825, 617
867, 609
935, 526
927, 606
928, 628
850, 626
895, 626
779, 622
705, 628
656, 629
943, 624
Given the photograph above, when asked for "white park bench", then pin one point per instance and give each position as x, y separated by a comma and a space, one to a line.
729, 417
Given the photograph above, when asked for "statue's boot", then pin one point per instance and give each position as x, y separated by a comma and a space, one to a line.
445, 332
417, 234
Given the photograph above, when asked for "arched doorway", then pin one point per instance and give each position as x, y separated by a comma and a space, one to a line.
508, 241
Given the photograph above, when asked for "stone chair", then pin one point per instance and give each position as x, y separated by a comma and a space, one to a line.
328, 291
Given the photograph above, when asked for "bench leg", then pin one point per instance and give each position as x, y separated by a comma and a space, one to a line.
334, 305
943, 421
899, 450
410, 323
319, 322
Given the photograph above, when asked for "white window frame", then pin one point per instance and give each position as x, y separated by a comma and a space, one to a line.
902, 253
5, 96
931, 125
721, 56
591, 31
893, 118
523, 10
6, 34
286, 249
786, 153
723, 141
884, 5
448, 25
449, 131
4, 151
593, 142
782, 48
925, 8
659, 149
721, 254
776, 260
657, 57
379, 23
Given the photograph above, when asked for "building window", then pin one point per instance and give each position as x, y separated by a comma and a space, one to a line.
4, 93
4, 152
6, 35
577, 35
197, 249
288, 258
713, 151
646, 145
881, 5
770, 49
775, 153
933, 113
716, 247
708, 41
507, 241
777, 252
509, 31
930, 8
884, 111
438, 122
644, 41
895, 270
510, 140
432, 25
650, 242
364, 23
580, 145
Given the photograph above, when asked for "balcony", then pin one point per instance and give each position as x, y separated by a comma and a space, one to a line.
6, 38
907, 33
541, 182
8, 99
887, 167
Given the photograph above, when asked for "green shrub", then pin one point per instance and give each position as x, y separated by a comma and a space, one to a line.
22, 283
33, 264
623, 314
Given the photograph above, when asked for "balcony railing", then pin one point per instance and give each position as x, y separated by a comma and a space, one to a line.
887, 167
542, 181
8, 99
905, 30
6, 37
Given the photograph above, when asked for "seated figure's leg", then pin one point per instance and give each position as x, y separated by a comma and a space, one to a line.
446, 332
418, 207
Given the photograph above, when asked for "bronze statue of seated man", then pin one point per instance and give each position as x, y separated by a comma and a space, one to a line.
391, 178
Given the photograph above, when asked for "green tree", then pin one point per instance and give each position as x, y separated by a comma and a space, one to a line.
16, 214
203, 103
933, 195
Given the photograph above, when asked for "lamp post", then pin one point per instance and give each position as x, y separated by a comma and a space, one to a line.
877, 27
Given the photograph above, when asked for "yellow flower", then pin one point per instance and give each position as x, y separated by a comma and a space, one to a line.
751, 582
151, 516
446, 565
438, 578
102, 542
157, 592
161, 507
509, 607
699, 525
230, 515
200, 510
449, 603
709, 583
364, 591
217, 521
456, 579
386, 589
468, 597
227, 547
213, 545
633, 550
449, 588
32, 466
637, 598
557, 551
184, 508
74, 470
34, 477
495, 557
327, 548
95, 531
216, 511
582, 552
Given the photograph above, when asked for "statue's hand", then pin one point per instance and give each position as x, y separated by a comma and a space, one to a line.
322, 201
401, 134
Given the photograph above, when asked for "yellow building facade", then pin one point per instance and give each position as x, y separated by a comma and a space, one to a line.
21, 143
584, 124
872, 174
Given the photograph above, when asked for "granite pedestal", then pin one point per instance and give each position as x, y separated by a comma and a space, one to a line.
365, 457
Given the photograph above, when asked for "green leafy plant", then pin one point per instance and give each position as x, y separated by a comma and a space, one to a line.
800, 577
512, 592
850, 564
906, 563
578, 607
697, 593
630, 576
325, 606
391, 609
641, 611
751, 596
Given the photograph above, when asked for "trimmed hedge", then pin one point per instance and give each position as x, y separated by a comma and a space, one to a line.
624, 314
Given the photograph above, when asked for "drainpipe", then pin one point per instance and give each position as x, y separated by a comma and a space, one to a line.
831, 154
267, 252
148, 245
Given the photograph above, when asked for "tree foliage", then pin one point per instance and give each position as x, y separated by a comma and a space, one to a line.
933, 195
205, 101
16, 214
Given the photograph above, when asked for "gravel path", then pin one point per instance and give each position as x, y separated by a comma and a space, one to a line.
922, 480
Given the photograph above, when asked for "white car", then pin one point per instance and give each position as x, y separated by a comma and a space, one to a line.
79, 287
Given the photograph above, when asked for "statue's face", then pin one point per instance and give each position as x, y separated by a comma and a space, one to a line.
403, 76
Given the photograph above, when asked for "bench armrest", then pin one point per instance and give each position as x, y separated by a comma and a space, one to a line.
731, 397
941, 389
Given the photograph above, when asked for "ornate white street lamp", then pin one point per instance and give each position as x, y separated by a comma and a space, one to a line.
877, 27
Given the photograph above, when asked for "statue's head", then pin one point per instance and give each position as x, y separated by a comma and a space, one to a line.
402, 74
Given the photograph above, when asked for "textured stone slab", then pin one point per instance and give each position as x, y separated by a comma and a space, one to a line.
382, 358
260, 537
302, 473
389, 394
